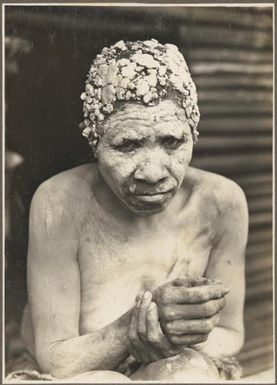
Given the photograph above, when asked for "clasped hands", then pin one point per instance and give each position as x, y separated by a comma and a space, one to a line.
177, 314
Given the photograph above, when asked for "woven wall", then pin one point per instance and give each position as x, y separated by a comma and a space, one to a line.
229, 51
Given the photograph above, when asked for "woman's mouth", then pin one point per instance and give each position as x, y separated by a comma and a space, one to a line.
153, 197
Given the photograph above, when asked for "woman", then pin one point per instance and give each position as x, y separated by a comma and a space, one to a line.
131, 258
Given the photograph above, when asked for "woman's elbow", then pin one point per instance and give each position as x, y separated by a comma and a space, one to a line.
57, 365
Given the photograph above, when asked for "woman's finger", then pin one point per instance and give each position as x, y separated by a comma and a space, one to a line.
194, 295
176, 311
188, 339
135, 344
135, 352
154, 331
141, 320
198, 326
155, 334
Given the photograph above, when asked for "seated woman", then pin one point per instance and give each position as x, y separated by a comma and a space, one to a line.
136, 260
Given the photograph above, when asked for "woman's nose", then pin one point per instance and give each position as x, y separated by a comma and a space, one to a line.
151, 169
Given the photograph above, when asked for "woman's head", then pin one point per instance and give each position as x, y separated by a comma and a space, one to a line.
143, 72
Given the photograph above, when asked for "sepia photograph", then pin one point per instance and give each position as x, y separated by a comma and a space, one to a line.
138, 177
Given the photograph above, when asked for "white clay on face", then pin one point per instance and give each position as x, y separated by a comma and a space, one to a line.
132, 187
150, 167
136, 118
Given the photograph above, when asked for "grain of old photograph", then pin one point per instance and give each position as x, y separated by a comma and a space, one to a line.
138, 231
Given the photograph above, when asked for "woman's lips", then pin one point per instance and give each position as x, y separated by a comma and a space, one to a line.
153, 197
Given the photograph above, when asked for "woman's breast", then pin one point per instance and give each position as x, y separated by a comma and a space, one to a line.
113, 276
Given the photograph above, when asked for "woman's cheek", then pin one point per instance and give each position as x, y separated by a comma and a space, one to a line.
118, 165
179, 164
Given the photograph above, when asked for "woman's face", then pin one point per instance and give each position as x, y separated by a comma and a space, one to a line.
144, 154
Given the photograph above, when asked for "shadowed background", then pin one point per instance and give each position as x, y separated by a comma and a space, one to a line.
229, 53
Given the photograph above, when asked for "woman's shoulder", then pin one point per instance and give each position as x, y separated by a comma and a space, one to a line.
76, 180
216, 191
69, 188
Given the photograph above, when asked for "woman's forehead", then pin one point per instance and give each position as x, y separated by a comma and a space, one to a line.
163, 111
135, 120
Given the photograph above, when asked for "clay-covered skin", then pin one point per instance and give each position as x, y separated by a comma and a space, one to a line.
95, 248
88, 262
144, 154
182, 312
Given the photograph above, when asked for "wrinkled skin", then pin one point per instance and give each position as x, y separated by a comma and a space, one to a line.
179, 314
144, 154
147, 342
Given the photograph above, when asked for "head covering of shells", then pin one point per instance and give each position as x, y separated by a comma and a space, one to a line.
140, 71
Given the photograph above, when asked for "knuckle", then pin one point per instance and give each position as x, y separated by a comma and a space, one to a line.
168, 326
197, 296
164, 297
171, 314
165, 294
166, 313
153, 339
132, 336
175, 340
163, 312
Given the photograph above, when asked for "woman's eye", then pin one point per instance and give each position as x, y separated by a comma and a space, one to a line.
128, 146
172, 143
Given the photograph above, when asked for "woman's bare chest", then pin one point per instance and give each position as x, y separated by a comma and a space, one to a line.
116, 266
145, 257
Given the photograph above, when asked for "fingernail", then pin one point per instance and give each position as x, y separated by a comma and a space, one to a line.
147, 295
226, 290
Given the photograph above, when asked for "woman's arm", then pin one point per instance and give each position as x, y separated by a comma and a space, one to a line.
55, 296
227, 263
